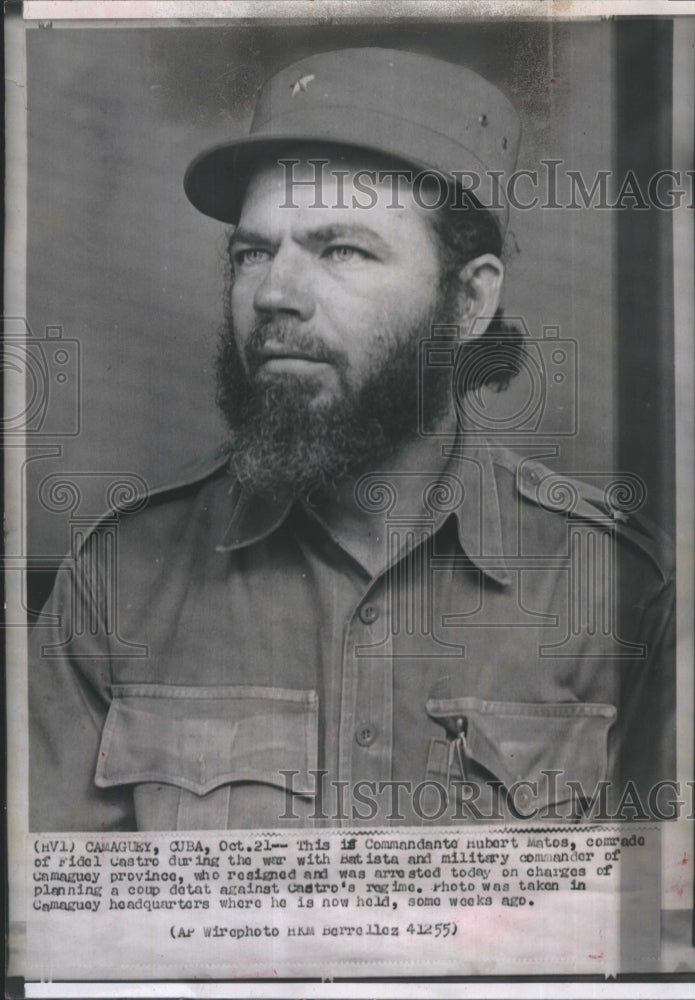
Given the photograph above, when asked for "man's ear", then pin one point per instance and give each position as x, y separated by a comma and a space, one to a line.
481, 286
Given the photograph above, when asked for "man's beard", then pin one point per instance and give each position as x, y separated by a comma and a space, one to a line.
283, 440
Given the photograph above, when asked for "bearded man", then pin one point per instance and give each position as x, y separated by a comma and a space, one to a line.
352, 613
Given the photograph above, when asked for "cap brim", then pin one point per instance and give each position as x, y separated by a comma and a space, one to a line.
216, 179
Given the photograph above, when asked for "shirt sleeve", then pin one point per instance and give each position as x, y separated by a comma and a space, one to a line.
649, 752
69, 697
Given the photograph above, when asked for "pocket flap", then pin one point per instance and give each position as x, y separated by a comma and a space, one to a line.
519, 741
201, 737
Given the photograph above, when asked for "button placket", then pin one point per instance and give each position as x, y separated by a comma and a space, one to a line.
367, 699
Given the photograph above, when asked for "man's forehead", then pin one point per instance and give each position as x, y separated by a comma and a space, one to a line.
340, 180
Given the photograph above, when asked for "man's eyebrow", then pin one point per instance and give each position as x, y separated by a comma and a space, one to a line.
342, 231
322, 234
242, 235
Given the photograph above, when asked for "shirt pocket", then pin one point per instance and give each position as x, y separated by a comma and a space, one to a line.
520, 742
211, 757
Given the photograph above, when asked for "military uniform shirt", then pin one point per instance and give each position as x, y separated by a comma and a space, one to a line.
216, 659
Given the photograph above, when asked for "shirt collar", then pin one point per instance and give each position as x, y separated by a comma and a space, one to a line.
478, 515
255, 516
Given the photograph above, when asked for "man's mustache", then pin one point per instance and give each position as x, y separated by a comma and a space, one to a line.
288, 335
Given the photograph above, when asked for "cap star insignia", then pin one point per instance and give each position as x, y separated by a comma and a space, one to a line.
301, 83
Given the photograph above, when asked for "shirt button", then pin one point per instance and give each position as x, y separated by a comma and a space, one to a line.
524, 796
365, 734
368, 613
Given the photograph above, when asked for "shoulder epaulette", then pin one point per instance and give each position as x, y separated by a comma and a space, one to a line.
611, 505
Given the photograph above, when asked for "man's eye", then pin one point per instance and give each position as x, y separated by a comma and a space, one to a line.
345, 254
250, 257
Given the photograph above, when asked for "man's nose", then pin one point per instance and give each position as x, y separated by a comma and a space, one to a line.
285, 287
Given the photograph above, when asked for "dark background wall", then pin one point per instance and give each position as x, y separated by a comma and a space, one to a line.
645, 289
121, 261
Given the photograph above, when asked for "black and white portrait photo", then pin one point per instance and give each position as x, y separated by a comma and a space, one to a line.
350, 459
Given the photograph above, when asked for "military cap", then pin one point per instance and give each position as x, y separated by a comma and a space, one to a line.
430, 113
